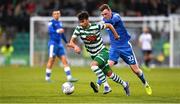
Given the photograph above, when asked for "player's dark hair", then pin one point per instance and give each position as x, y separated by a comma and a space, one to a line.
54, 10
83, 15
104, 6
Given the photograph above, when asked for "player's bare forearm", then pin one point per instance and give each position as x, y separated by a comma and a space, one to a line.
140, 44
72, 44
116, 36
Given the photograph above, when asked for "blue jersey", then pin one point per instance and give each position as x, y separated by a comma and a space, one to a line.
55, 47
120, 48
54, 36
121, 30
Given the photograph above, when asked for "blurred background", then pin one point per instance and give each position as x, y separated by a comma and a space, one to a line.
22, 19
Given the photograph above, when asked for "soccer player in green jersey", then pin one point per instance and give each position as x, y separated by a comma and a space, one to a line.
90, 35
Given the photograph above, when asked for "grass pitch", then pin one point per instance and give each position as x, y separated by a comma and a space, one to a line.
27, 85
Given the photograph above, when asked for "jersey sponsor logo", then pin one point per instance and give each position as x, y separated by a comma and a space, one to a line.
91, 38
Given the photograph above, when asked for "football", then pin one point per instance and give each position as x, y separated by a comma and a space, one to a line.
67, 88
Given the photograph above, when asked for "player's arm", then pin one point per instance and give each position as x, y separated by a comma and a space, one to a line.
64, 38
116, 36
52, 28
73, 41
72, 44
60, 31
140, 41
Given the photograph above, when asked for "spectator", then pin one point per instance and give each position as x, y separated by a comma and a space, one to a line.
7, 51
166, 51
145, 41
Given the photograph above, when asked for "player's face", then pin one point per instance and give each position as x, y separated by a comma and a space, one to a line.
84, 23
145, 30
56, 15
106, 13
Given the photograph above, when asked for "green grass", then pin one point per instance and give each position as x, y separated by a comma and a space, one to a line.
27, 85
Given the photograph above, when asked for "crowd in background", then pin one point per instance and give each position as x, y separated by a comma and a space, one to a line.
15, 14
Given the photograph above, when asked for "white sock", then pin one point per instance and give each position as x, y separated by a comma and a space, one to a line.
106, 84
48, 74
146, 84
67, 70
124, 84
48, 70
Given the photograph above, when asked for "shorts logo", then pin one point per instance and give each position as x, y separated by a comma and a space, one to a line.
131, 58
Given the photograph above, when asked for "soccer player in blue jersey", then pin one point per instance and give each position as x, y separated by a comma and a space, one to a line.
55, 47
121, 48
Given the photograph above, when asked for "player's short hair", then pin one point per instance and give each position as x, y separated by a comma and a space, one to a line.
83, 15
104, 6
52, 11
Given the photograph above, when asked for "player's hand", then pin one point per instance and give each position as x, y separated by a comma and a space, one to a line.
117, 37
77, 49
69, 45
60, 31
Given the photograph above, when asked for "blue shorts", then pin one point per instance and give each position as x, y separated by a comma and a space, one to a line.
55, 50
125, 52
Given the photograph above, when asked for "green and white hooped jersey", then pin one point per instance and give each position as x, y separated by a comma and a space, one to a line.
91, 37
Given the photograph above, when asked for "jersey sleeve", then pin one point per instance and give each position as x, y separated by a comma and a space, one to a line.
62, 34
51, 28
116, 18
64, 38
54, 28
140, 38
76, 33
59, 26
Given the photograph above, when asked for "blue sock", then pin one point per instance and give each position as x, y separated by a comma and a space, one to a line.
68, 73
141, 77
48, 74
67, 70
99, 81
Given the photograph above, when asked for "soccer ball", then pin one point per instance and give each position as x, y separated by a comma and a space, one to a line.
67, 88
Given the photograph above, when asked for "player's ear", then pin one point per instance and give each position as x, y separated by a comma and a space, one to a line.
110, 10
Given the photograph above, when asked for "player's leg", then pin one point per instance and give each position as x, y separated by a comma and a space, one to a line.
101, 76
135, 68
67, 70
149, 57
146, 58
113, 59
50, 62
102, 59
129, 57
107, 70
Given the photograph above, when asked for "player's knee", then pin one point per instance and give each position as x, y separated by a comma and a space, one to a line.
111, 63
93, 68
109, 73
94, 63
